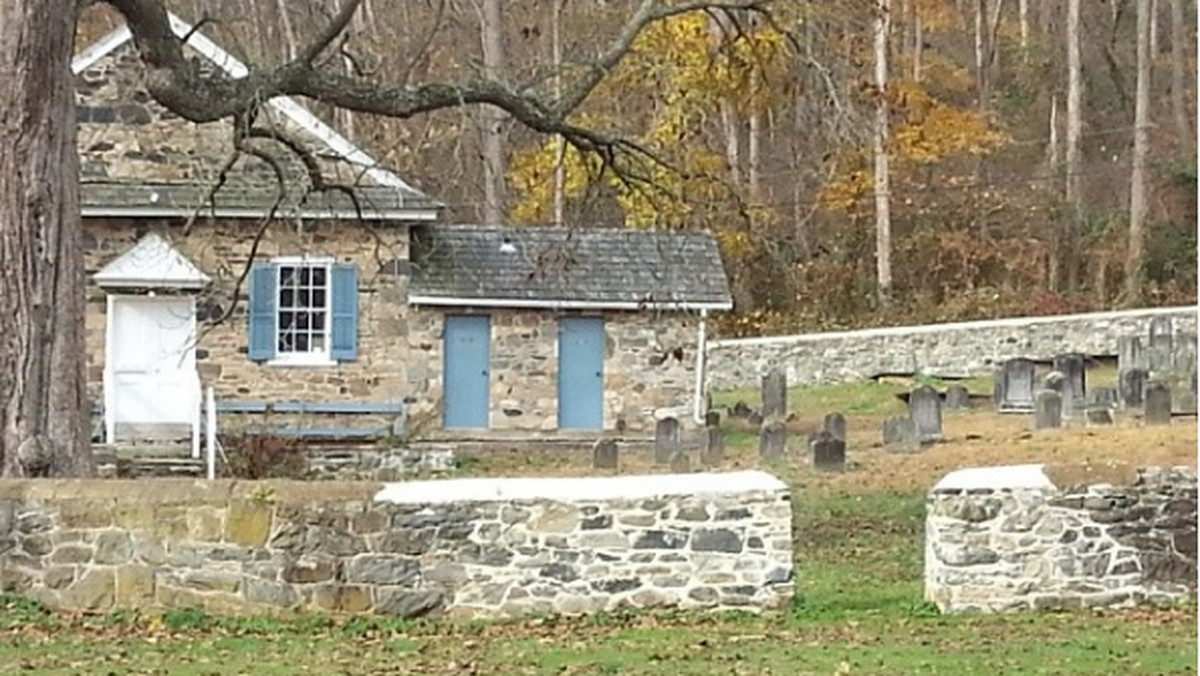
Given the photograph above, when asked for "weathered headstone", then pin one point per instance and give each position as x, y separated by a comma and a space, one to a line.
835, 424
1047, 412
1131, 386
957, 398
1157, 406
1099, 415
900, 435
679, 462
740, 410
1129, 353
1162, 330
713, 453
1013, 391
1074, 371
774, 394
666, 440
772, 442
925, 409
712, 419
604, 454
1183, 353
827, 452
1103, 396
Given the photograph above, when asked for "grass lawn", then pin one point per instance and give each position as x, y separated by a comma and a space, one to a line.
859, 607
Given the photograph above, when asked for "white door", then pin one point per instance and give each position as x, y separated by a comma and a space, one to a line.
152, 386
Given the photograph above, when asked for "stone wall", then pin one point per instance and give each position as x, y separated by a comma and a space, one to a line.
1048, 537
958, 349
649, 368
469, 547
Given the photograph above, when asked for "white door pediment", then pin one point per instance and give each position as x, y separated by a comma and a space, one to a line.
152, 263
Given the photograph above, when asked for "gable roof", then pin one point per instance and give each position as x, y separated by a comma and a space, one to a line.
152, 263
567, 268
139, 159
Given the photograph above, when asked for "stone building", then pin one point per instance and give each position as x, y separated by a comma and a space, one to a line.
222, 260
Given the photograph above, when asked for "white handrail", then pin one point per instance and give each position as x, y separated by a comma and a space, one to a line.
210, 431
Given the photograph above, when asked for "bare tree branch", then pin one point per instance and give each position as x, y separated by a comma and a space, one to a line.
331, 32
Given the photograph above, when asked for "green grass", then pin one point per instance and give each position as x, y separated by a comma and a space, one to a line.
858, 610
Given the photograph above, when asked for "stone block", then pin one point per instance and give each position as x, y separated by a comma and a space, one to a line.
133, 515
556, 518
248, 523
95, 589
134, 586
380, 569
408, 604
268, 593
113, 546
205, 523
211, 581
85, 514
342, 598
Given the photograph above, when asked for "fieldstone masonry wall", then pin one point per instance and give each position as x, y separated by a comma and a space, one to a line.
1048, 537
471, 547
957, 349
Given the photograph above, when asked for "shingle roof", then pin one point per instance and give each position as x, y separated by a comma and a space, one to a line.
567, 267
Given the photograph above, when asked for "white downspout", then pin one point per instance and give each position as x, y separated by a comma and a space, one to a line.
701, 349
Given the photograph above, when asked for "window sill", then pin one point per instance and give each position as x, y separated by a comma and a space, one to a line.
302, 362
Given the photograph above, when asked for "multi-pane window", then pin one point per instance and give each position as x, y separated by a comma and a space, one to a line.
303, 310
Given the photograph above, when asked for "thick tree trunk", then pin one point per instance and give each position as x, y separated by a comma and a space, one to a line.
560, 150
1183, 127
494, 164
43, 418
1074, 123
1137, 188
883, 216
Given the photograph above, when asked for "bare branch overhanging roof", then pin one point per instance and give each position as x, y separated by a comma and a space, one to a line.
567, 268
139, 159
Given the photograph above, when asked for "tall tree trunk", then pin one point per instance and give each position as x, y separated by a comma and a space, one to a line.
43, 417
753, 157
918, 44
493, 135
560, 148
883, 216
1023, 17
1183, 127
1074, 216
1153, 28
1137, 188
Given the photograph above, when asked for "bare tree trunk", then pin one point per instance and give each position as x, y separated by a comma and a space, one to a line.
753, 159
285, 22
981, 51
494, 118
1137, 188
1153, 28
883, 217
43, 417
1179, 78
1023, 17
1074, 122
560, 149
918, 45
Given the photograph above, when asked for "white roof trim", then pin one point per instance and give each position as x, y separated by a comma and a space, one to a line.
153, 263
236, 69
562, 304
312, 214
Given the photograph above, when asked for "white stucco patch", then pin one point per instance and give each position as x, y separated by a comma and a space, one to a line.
577, 488
1008, 476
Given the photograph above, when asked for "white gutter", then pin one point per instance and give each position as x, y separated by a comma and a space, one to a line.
701, 347
317, 214
562, 304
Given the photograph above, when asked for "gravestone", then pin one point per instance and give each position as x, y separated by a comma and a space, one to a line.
712, 419
604, 454
1162, 331
900, 435
1131, 387
774, 394
755, 418
713, 453
740, 410
925, 409
666, 440
679, 462
1157, 406
772, 442
1048, 409
1099, 415
1103, 396
1013, 386
826, 451
957, 398
1183, 353
1074, 371
835, 424
1129, 353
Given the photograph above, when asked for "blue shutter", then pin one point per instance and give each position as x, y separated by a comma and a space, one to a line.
263, 297
344, 339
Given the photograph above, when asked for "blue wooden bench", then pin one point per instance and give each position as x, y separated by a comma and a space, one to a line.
363, 408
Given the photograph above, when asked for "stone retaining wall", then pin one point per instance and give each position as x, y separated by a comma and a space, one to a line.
1043, 537
958, 349
473, 547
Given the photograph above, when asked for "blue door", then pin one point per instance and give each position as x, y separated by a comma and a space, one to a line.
467, 350
580, 373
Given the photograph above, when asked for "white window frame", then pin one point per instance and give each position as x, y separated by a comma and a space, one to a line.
323, 357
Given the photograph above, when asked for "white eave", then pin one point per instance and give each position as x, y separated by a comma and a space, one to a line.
152, 263
446, 301
227, 212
